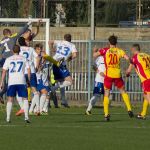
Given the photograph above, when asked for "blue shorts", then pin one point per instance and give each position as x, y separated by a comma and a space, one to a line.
60, 72
98, 88
33, 80
19, 89
41, 86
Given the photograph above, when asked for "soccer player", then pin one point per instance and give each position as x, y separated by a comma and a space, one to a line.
7, 44
30, 54
9, 40
112, 56
141, 62
99, 67
42, 80
67, 51
16, 65
29, 35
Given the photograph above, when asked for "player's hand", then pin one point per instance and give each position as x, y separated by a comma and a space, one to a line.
39, 22
94, 68
28, 84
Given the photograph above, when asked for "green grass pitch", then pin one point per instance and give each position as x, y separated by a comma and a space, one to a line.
70, 129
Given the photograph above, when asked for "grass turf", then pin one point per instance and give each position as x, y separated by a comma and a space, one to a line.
70, 129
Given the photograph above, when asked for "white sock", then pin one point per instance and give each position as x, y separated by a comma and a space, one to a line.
92, 102
8, 110
45, 107
20, 101
26, 109
32, 105
42, 101
35, 109
62, 94
35, 101
61, 85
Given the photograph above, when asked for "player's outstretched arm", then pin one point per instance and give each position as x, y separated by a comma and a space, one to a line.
126, 57
37, 29
128, 71
23, 30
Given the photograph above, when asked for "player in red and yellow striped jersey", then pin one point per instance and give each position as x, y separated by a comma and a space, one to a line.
141, 62
112, 56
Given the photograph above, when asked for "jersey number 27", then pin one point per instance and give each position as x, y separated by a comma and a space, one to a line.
16, 66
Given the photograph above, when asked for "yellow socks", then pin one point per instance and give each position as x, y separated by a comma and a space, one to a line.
126, 101
145, 106
106, 105
29, 94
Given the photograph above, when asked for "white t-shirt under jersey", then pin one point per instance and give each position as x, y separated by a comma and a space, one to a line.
30, 54
16, 65
101, 68
63, 49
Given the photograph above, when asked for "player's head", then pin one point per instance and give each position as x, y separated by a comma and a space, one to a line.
22, 41
7, 32
16, 49
67, 37
113, 40
135, 48
38, 48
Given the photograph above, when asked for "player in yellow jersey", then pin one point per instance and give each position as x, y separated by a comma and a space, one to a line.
141, 62
112, 56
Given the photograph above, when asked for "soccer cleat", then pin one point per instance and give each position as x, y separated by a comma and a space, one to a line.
27, 121
44, 113
88, 113
130, 113
8, 121
107, 118
65, 105
37, 113
20, 112
139, 116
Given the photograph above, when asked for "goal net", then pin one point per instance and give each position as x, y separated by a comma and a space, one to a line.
14, 24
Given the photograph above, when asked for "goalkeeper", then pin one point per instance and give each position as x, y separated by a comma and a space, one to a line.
6, 47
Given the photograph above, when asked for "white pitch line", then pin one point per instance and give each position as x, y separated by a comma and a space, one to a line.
76, 126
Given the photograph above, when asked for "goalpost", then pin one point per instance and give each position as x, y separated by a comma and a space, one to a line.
14, 23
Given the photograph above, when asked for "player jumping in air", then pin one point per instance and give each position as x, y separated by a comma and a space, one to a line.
30, 54
6, 47
141, 62
99, 67
16, 65
67, 51
112, 56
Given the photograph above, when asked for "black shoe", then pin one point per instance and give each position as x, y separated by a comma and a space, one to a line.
56, 106
65, 105
27, 121
139, 116
8, 121
107, 118
131, 115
